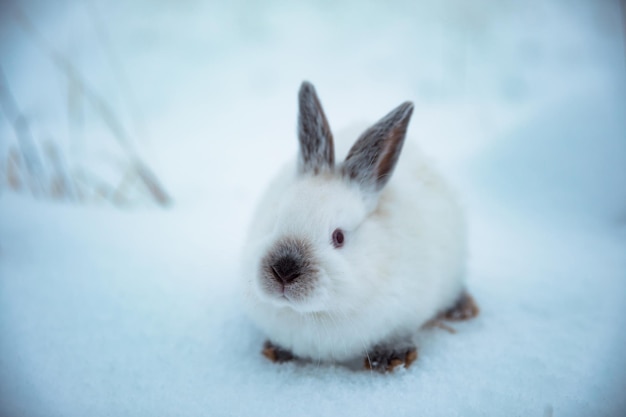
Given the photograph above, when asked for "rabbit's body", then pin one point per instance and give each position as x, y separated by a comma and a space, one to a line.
398, 262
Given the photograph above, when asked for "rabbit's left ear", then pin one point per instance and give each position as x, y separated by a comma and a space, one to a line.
317, 152
373, 157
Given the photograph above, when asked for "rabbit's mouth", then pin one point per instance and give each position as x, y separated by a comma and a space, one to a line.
300, 297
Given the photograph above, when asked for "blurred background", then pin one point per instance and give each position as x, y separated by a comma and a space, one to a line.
136, 136
142, 102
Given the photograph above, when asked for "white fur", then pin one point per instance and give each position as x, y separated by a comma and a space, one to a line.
401, 264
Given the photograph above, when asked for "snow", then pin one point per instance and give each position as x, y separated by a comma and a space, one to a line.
137, 311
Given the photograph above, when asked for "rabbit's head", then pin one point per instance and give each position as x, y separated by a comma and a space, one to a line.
322, 251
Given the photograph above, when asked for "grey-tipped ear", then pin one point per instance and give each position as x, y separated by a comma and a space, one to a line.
373, 157
317, 152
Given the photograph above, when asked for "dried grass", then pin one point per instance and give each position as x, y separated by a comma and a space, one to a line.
40, 167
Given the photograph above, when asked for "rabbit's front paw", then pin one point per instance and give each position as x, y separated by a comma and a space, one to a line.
385, 359
276, 353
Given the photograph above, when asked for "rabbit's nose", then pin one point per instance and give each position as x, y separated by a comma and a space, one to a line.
286, 269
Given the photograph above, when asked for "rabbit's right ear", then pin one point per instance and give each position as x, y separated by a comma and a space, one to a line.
373, 157
317, 152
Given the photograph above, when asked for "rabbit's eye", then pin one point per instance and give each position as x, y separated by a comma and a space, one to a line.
338, 238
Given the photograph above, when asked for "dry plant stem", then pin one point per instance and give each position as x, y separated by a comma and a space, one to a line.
436, 322
61, 186
21, 128
66, 67
99, 105
152, 183
13, 167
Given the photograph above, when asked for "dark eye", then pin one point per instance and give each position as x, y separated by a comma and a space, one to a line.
338, 238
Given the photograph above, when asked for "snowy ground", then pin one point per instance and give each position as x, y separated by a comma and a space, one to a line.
136, 312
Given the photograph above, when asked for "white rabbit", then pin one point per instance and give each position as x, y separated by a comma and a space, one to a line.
345, 260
